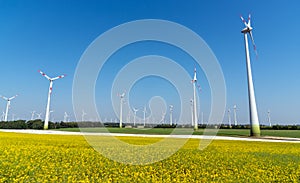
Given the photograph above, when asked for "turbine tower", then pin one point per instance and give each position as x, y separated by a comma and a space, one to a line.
32, 115
82, 115
2, 116
66, 116
269, 117
192, 111
163, 117
122, 96
171, 113
145, 111
7, 105
229, 117
49, 96
234, 115
254, 123
194, 81
134, 117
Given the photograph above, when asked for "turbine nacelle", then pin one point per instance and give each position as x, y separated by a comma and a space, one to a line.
248, 27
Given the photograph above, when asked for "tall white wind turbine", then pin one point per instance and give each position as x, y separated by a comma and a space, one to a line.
195, 118
234, 115
135, 110
7, 105
254, 122
49, 95
122, 96
171, 114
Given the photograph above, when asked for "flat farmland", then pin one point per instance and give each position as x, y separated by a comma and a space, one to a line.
67, 158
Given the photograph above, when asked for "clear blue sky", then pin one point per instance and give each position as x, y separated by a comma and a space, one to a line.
51, 35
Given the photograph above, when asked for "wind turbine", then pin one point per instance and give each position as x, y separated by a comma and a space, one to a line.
229, 117
163, 117
7, 105
171, 113
2, 116
194, 81
39, 115
145, 111
32, 115
269, 117
134, 117
66, 117
122, 96
234, 115
254, 122
49, 95
82, 115
202, 118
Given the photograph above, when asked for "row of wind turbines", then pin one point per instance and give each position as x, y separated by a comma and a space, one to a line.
48, 100
254, 122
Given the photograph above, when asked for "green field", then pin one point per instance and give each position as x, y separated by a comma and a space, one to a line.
164, 131
57, 158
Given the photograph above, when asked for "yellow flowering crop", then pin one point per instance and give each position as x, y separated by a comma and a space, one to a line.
58, 158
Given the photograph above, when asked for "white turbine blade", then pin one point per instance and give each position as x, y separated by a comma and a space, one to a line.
43, 74
12, 97
244, 21
254, 46
249, 20
58, 77
4, 97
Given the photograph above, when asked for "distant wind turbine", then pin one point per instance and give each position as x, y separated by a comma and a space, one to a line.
49, 96
2, 116
269, 117
135, 110
145, 111
82, 115
7, 105
32, 115
234, 115
229, 117
254, 122
194, 81
66, 116
122, 96
171, 114
163, 117
39, 115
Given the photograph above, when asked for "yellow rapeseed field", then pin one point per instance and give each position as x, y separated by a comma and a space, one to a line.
57, 158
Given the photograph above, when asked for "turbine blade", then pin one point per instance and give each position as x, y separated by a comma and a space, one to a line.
58, 77
43, 74
12, 97
249, 20
254, 46
244, 21
5, 98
